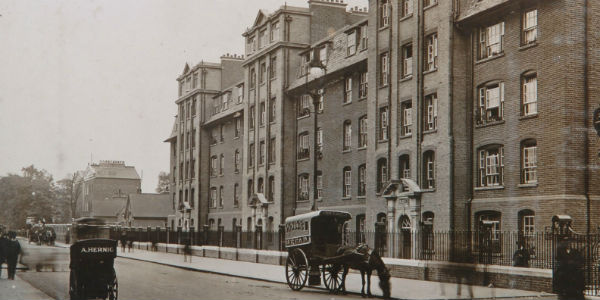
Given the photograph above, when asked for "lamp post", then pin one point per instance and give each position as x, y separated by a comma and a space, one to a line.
316, 67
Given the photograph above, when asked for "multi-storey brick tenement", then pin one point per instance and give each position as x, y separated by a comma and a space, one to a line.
342, 131
273, 47
470, 110
532, 76
191, 138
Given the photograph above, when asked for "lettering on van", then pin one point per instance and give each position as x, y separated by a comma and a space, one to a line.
97, 250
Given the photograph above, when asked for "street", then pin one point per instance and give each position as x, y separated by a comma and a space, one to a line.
143, 280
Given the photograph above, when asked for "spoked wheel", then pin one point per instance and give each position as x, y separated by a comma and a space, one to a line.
333, 276
113, 287
296, 269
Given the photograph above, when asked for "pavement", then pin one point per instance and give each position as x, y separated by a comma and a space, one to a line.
401, 288
19, 289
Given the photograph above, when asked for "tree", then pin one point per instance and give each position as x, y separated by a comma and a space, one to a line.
163, 182
32, 194
68, 190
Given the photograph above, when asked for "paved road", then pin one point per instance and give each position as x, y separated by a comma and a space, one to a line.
143, 280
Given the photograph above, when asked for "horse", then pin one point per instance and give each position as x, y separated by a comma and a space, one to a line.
365, 260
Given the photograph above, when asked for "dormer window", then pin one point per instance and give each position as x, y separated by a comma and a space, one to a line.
351, 43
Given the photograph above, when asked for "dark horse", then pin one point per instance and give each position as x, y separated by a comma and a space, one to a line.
365, 260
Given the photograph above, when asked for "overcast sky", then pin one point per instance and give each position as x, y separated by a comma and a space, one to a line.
89, 80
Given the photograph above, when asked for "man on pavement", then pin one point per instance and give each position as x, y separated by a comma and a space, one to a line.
3, 242
13, 250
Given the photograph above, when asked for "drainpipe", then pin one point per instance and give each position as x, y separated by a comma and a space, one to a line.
389, 100
586, 97
451, 195
285, 77
420, 87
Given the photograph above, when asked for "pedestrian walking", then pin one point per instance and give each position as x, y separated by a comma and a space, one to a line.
123, 241
129, 244
13, 250
3, 244
187, 250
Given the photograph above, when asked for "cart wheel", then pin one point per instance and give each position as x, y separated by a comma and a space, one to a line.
113, 287
296, 269
333, 276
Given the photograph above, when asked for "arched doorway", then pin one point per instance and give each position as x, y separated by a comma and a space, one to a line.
404, 227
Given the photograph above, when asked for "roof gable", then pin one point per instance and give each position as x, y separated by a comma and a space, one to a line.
260, 17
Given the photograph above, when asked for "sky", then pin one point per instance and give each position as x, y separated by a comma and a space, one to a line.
89, 80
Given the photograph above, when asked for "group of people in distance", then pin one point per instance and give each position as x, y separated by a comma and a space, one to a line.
9, 252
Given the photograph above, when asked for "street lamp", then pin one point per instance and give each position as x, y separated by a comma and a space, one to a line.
317, 68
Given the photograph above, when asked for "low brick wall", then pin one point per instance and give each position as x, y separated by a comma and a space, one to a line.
500, 276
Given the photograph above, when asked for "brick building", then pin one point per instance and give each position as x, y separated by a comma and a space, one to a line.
468, 110
191, 141
342, 132
529, 94
103, 187
273, 47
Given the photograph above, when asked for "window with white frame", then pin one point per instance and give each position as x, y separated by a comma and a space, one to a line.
406, 108
429, 170
527, 223
431, 107
384, 67
304, 106
221, 164
529, 95
273, 67
240, 95
491, 166
347, 192
236, 160
319, 139
261, 154
348, 89
493, 218
238, 127
362, 132
383, 123
319, 185
363, 85
262, 38
303, 146
213, 197
431, 42
271, 189
529, 161
347, 135
530, 27
252, 78
404, 169
491, 103
213, 166
362, 180
407, 60
364, 37
303, 187
323, 55
491, 40
226, 100
273, 110
384, 14
382, 174
407, 7
263, 113
263, 72
351, 43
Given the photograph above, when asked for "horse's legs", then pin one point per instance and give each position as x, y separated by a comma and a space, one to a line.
362, 277
369, 283
343, 287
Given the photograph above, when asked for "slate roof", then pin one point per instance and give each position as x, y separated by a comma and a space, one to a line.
173, 131
150, 205
108, 207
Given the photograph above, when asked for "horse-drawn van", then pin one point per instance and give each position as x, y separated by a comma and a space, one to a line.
92, 261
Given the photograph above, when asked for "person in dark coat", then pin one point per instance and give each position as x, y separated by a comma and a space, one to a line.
3, 243
521, 257
13, 250
187, 250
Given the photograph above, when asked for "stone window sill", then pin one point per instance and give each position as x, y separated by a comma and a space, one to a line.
489, 188
483, 60
528, 185
489, 124
527, 46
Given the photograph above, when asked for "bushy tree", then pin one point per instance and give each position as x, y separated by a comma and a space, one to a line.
163, 182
